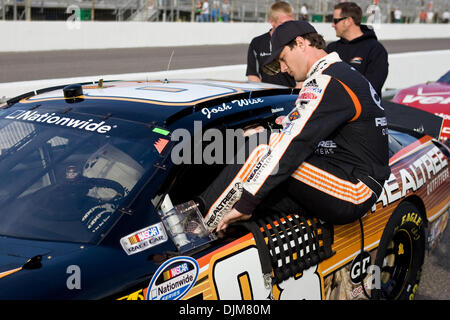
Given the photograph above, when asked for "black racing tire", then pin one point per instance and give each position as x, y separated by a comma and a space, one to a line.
401, 254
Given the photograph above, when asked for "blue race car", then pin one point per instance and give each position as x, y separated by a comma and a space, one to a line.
88, 178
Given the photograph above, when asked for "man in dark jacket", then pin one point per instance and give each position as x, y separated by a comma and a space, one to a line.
358, 45
260, 48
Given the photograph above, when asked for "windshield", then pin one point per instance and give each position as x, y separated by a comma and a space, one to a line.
63, 183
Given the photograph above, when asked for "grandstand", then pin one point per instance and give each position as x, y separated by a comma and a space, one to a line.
184, 10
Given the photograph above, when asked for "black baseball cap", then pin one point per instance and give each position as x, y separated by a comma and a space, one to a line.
282, 35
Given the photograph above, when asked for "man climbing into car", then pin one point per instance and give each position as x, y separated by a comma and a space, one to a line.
331, 157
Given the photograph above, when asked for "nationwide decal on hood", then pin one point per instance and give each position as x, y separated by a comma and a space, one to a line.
52, 118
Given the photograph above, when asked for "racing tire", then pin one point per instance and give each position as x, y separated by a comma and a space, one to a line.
401, 254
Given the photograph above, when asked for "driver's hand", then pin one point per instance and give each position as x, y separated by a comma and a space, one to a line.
253, 130
232, 217
279, 120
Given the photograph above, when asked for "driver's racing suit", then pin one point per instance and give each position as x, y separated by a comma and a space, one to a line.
331, 157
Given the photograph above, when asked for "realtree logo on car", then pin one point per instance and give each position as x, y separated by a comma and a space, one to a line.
52, 118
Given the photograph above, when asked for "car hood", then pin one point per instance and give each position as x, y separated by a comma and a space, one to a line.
17, 254
432, 97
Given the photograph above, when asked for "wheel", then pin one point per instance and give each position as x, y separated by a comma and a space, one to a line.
70, 201
401, 254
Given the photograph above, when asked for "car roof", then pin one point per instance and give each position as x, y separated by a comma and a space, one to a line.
145, 101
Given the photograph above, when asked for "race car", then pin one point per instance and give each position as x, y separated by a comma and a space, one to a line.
96, 189
433, 97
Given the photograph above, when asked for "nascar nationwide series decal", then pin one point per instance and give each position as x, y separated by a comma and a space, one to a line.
173, 279
144, 239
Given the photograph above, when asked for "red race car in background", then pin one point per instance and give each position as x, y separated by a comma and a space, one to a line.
432, 97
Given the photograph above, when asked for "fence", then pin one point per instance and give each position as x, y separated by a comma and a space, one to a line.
187, 10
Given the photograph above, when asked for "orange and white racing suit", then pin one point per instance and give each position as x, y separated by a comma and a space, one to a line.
330, 158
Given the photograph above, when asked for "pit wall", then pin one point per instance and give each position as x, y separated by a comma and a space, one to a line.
60, 35
405, 69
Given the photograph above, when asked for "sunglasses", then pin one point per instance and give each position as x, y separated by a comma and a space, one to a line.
336, 20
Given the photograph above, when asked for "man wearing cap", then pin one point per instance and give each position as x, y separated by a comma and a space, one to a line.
331, 156
358, 45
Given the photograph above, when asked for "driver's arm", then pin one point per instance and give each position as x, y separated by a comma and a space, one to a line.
311, 121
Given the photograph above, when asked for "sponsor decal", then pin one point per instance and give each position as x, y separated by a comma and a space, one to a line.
137, 295
412, 217
375, 96
442, 115
311, 84
287, 129
260, 166
307, 95
381, 122
358, 271
277, 110
431, 167
160, 144
294, 115
176, 271
325, 147
356, 60
144, 239
409, 98
344, 283
301, 104
225, 205
445, 128
319, 66
52, 118
161, 131
312, 89
173, 279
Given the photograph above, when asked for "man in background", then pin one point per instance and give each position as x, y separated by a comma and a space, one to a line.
260, 48
358, 45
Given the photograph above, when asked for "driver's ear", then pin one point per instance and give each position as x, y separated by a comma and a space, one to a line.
300, 42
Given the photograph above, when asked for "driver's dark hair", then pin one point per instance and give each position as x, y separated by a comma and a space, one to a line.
314, 38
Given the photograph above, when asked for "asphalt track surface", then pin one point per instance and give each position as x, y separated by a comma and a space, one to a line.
435, 281
25, 66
